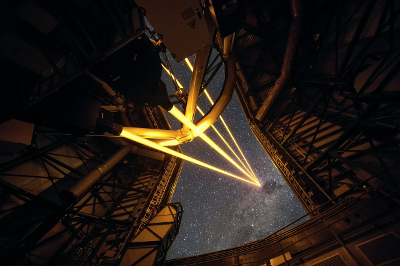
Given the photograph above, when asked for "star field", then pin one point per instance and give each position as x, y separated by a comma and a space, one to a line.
219, 211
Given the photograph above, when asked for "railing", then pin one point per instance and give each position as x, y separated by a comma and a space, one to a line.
158, 194
283, 167
326, 219
173, 185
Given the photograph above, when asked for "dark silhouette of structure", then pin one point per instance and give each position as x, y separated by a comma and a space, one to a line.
317, 80
319, 86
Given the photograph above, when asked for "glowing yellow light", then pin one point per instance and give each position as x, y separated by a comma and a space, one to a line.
172, 76
209, 97
226, 143
154, 145
226, 127
198, 131
172, 142
237, 145
189, 64
181, 117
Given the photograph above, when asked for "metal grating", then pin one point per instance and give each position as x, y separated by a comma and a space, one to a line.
280, 163
335, 260
381, 249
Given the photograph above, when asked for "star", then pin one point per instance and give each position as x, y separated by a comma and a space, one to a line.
220, 212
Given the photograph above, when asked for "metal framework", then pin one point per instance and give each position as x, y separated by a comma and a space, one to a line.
332, 231
151, 245
336, 123
331, 129
79, 40
74, 199
79, 199
317, 80
40, 225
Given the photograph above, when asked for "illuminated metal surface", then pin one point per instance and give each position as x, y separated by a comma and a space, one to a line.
198, 132
154, 145
175, 112
227, 129
181, 136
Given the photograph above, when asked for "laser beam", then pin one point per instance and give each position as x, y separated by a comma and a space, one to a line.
230, 133
189, 64
149, 143
250, 173
227, 128
226, 143
181, 117
172, 76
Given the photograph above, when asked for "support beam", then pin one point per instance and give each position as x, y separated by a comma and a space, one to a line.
223, 100
291, 49
364, 115
200, 65
84, 184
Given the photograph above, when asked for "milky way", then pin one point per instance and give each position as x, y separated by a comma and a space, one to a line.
221, 212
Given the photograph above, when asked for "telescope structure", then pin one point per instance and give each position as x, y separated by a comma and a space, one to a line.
89, 162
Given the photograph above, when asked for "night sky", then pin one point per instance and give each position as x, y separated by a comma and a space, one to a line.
221, 212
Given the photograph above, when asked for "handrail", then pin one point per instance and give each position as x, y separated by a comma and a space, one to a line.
260, 244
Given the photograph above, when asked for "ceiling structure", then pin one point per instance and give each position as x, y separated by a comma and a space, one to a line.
317, 81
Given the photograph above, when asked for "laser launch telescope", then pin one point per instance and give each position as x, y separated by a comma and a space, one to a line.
89, 162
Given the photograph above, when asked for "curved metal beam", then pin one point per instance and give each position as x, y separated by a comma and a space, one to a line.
294, 34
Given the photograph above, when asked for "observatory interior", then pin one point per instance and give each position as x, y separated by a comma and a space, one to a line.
89, 162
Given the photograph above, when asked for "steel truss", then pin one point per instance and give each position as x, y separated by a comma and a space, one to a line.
336, 124
329, 230
40, 225
80, 40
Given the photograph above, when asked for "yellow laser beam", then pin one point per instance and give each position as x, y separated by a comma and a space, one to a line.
189, 64
226, 126
149, 143
227, 144
181, 117
230, 133
252, 175
237, 145
172, 76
